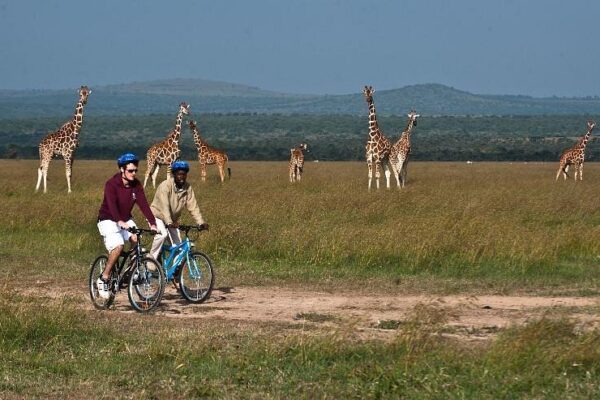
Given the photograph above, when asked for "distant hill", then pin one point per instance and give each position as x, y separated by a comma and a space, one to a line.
189, 87
163, 97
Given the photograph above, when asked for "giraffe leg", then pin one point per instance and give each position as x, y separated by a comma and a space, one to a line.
377, 174
149, 170
222, 172
203, 172
566, 172
388, 174
396, 173
154, 175
39, 181
43, 173
299, 172
43, 170
68, 164
403, 172
45, 177
560, 168
370, 174
578, 171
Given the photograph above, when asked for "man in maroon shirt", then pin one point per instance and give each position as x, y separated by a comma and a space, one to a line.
121, 192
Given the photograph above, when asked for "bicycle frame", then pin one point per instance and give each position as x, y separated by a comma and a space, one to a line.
132, 256
175, 254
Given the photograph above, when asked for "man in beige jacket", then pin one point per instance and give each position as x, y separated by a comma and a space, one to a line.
171, 197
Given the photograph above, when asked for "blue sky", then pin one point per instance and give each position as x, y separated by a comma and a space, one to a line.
535, 47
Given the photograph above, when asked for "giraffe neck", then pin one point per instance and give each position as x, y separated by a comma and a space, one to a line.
584, 140
177, 130
373, 125
78, 116
197, 139
408, 130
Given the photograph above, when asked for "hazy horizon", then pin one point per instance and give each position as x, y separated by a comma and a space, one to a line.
536, 48
358, 91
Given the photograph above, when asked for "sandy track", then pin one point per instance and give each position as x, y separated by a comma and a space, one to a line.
468, 316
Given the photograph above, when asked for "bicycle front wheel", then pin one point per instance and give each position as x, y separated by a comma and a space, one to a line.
196, 278
146, 285
95, 271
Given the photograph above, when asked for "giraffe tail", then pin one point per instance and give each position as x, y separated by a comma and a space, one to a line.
228, 172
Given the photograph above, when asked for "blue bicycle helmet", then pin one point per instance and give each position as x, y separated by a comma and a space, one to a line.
180, 166
126, 159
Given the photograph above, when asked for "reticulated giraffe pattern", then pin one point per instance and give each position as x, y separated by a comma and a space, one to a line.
167, 151
296, 166
208, 155
378, 146
401, 150
575, 155
63, 142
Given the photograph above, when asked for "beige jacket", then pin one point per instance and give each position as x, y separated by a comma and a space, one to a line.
169, 202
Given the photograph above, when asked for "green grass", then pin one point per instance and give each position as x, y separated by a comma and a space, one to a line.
46, 350
456, 228
493, 227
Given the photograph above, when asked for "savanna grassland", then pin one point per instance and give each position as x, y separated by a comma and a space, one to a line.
469, 229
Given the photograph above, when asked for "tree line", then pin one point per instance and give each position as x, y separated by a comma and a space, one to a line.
252, 136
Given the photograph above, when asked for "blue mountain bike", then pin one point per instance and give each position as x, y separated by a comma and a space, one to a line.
192, 270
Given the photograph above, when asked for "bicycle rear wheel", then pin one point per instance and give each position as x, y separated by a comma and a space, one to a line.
146, 285
96, 270
196, 278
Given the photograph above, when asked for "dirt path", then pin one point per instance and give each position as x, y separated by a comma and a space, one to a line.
473, 317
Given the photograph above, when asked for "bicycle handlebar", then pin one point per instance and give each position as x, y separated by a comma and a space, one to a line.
138, 231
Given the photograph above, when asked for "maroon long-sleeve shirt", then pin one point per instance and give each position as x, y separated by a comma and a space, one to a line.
119, 200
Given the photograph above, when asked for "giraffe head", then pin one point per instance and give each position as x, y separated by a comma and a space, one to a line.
303, 147
412, 116
192, 125
84, 92
591, 125
184, 108
368, 92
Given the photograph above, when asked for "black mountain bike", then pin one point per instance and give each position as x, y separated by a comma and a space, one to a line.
143, 277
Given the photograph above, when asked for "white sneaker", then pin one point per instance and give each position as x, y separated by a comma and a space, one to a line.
102, 288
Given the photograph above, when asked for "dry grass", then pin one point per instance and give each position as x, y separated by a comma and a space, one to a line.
493, 226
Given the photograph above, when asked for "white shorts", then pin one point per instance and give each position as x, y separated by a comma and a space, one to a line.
112, 234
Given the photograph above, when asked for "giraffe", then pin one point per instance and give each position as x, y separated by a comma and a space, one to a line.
401, 150
208, 155
297, 162
378, 146
167, 151
63, 142
575, 155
